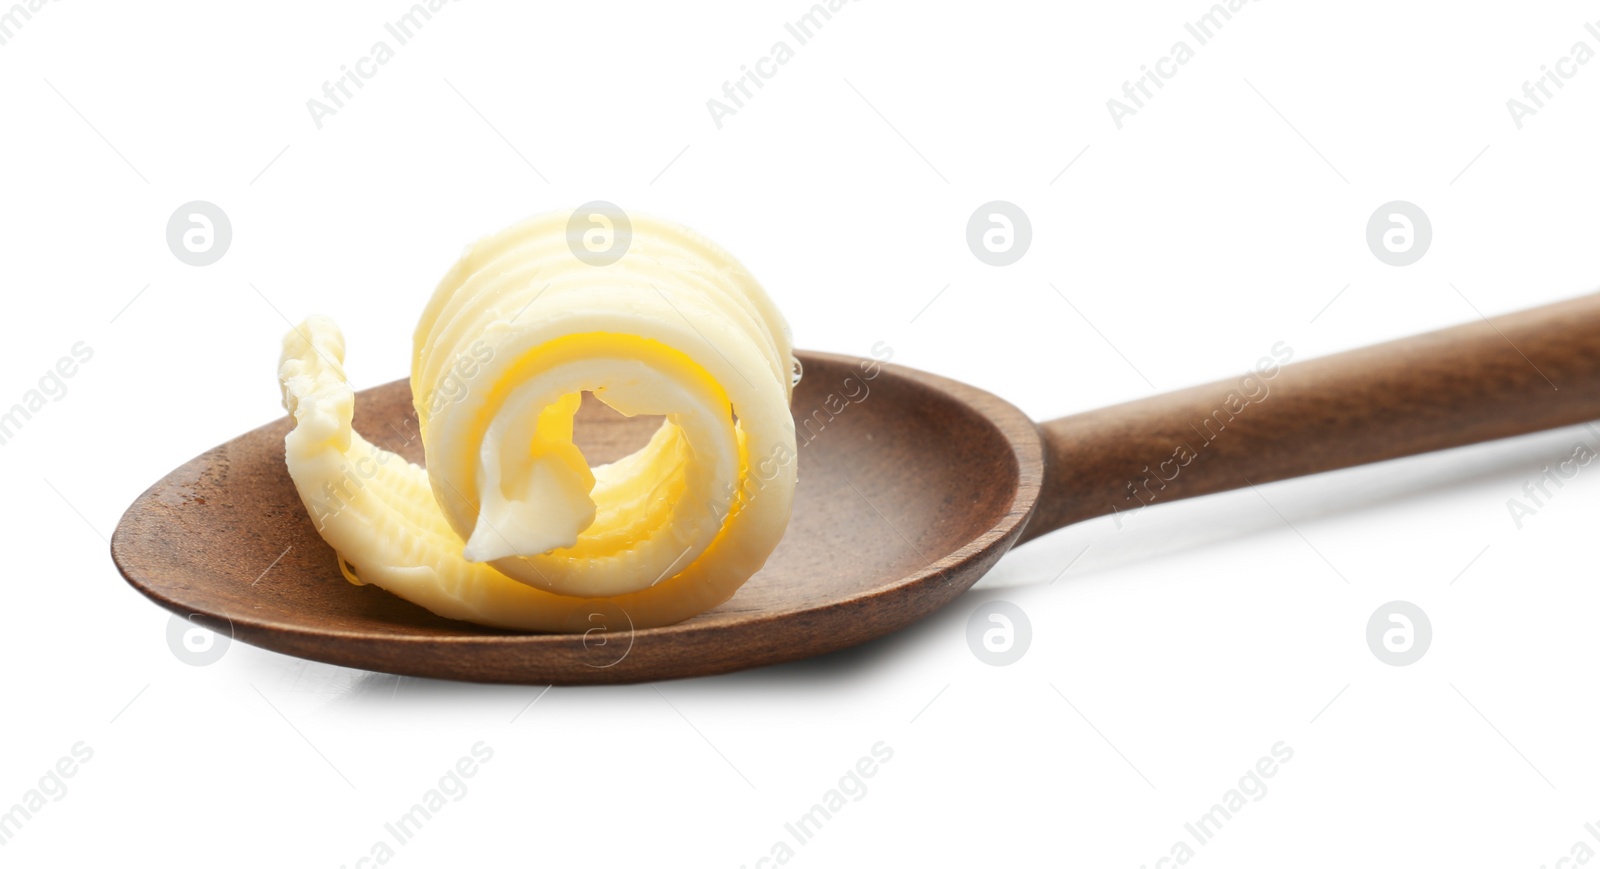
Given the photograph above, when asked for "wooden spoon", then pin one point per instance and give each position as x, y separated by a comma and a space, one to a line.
908, 493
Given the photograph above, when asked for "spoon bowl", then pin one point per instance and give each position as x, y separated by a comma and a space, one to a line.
911, 487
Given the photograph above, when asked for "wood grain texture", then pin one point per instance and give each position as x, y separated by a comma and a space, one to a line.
907, 495
911, 487
1489, 379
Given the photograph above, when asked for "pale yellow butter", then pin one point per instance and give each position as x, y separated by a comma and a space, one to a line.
509, 526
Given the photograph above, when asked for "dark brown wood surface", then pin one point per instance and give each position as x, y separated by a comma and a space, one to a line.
909, 491
1508, 375
907, 495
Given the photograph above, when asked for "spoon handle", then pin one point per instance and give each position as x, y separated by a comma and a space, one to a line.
1507, 375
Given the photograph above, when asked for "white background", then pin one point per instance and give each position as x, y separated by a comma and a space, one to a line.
1227, 215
